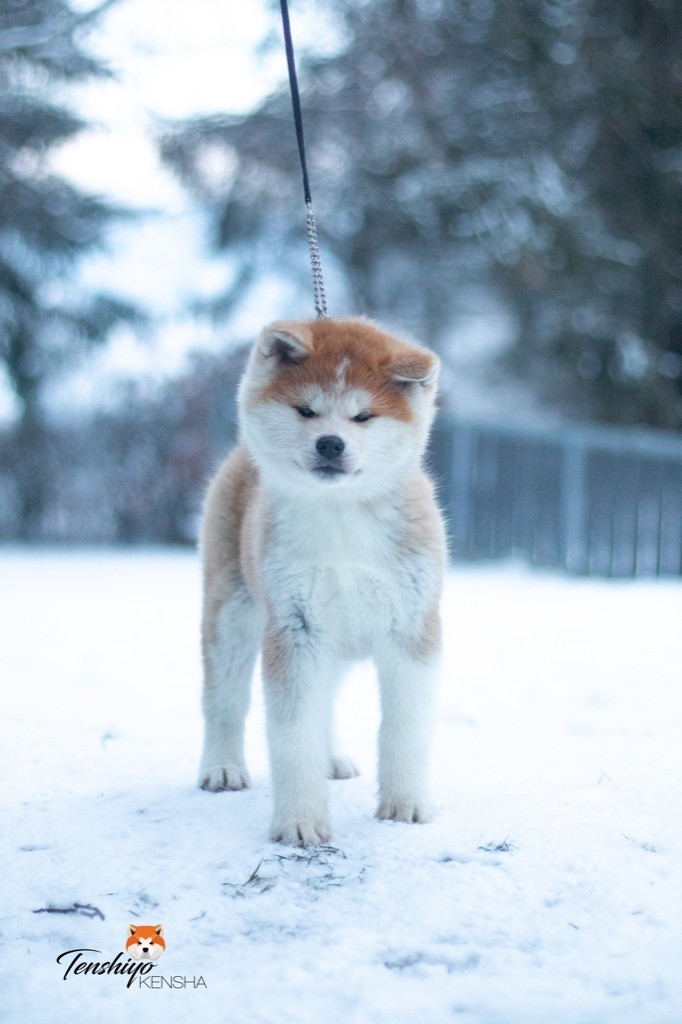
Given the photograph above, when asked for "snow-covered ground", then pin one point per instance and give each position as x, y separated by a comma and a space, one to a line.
546, 890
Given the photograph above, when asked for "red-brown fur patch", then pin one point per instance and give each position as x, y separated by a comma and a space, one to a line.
230, 494
373, 359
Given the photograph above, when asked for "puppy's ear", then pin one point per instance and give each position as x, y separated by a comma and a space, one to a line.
158, 928
286, 342
415, 366
132, 928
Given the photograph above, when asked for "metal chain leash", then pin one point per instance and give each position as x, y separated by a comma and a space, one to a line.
319, 297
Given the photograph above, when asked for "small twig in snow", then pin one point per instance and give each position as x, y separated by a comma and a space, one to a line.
649, 847
499, 846
313, 854
253, 881
84, 909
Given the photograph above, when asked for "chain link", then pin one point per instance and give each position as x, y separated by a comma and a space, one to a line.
319, 297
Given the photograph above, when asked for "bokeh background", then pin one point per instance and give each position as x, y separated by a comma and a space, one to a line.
499, 179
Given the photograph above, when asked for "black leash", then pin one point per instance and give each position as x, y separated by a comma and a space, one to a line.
319, 296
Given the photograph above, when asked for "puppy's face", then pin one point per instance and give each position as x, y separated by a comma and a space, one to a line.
337, 406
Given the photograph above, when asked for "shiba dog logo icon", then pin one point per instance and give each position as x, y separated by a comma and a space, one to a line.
145, 941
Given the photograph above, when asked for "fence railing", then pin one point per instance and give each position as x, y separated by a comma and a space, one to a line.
599, 501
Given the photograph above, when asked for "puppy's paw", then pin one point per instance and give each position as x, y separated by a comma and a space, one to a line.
341, 767
301, 831
418, 811
219, 777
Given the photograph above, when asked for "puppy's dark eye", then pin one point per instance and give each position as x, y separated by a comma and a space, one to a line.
362, 417
305, 411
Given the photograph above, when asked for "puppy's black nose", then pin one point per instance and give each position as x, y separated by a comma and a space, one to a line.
330, 446
145, 949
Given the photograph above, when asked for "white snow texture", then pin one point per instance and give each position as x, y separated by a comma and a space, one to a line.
547, 889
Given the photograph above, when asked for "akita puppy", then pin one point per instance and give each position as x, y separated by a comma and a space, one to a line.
322, 544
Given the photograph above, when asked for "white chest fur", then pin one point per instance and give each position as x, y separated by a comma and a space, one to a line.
340, 571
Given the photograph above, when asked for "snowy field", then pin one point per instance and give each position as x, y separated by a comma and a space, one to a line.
546, 891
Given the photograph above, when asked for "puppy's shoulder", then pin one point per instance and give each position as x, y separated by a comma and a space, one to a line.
229, 496
422, 520
234, 481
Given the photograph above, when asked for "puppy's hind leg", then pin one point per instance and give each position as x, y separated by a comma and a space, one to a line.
340, 765
230, 650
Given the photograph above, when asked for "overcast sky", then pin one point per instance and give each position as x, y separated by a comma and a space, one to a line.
171, 60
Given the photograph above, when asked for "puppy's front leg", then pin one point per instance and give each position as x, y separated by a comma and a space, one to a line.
296, 696
407, 695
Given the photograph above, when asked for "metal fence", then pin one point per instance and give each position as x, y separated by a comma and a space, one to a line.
598, 501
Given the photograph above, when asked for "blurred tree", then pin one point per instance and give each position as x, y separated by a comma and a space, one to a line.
45, 225
597, 286
532, 146
136, 471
